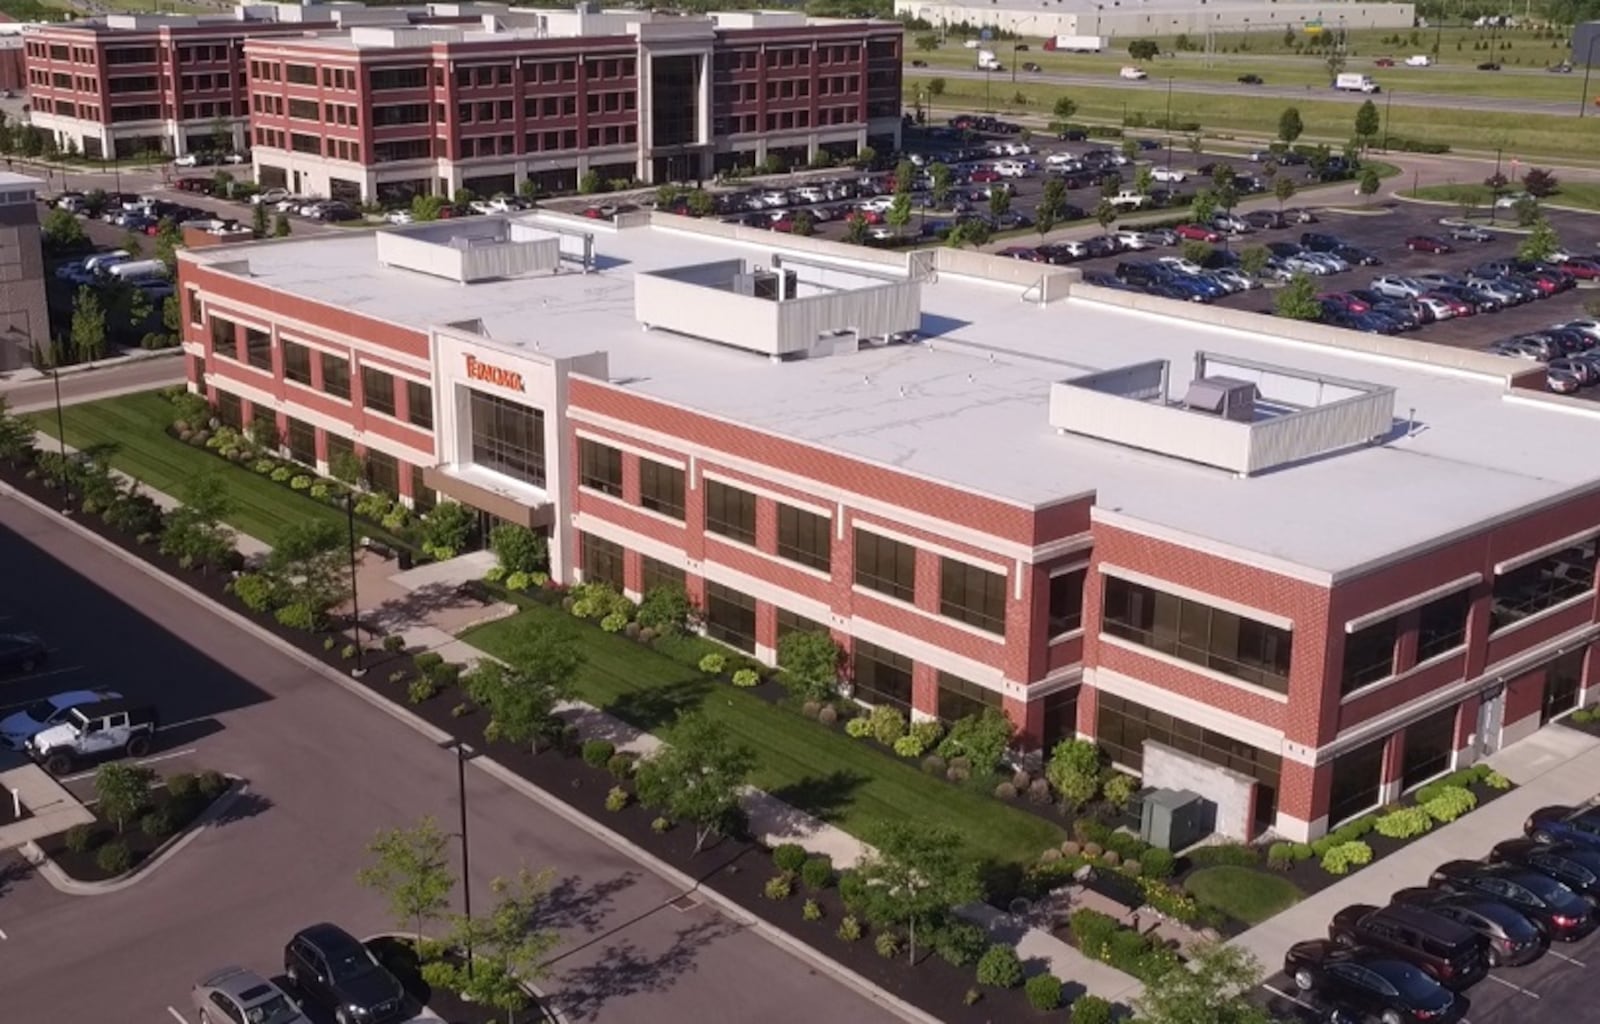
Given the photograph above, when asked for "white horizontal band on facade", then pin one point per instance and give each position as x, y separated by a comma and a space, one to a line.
768, 493
295, 324
890, 533
631, 449
1237, 727
910, 608
1063, 547
1400, 677
425, 378
331, 348
245, 320
1210, 546
1527, 557
337, 427
1188, 593
1063, 678
940, 659
1400, 607
995, 545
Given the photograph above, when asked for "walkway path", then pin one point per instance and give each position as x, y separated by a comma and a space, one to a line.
1556, 765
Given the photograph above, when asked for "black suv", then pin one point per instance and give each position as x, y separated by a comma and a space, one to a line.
1451, 953
1576, 867
1513, 939
1318, 242
330, 968
1371, 984
1558, 911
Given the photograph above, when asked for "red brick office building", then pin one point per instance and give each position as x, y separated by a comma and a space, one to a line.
1298, 606
551, 96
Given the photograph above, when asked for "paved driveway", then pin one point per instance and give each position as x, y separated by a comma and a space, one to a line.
326, 770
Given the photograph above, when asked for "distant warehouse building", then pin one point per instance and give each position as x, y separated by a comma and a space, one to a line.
1158, 17
1585, 37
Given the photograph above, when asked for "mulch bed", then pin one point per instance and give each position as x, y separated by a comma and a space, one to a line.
398, 954
84, 866
736, 868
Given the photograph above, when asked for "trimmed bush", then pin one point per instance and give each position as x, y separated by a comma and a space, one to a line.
746, 678
428, 661
789, 857
852, 891
1450, 803
858, 728
1000, 968
1088, 1009
615, 623
849, 928
960, 943
661, 825
1157, 863
1405, 823
421, 690
1280, 856
1044, 992
80, 838
1303, 852
712, 664
114, 858
811, 910
887, 944
1494, 780
394, 643
597, 752
779, 886
158, 824
909, 746
620, 765
817, 872
182, 785
888, 724
1341, 858
928, 732
617, 799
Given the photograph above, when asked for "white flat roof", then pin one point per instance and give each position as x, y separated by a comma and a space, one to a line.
971, 407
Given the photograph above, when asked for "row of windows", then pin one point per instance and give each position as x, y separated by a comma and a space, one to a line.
206, 111
206, 82
1222, 641
60, 51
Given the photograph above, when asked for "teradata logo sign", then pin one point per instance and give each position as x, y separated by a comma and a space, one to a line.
479, 370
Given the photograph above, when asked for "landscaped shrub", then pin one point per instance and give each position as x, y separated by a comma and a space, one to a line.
427, 661
1450, 803
597, 752
1494, 780
712, 664
254, 590
817, 872
887, 944
999, 967
1169, 900
927, 732
157, 824
1125, 844
1340, 859
1044, 992
1303, 852
281, 474
301, 482
1157, 863
114, 858
665, 609
858, 728
1087, 1009
1320, 847
615, 623
1092, 931
959, 943
790, 857
420, 690
888, 724
182, 785
811, 910
849, 928
300, 615
620, 765
1119, 789
1280, 856
517, 548
1006, 791
1405, 823
660, 825
617, 799
852, 891
982, 739
80, 838
745, 678
908, 746
211, 783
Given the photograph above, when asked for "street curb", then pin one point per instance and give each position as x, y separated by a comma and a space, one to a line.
141, 356
783, 940
62, 883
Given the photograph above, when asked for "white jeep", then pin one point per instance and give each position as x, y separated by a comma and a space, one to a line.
90, 732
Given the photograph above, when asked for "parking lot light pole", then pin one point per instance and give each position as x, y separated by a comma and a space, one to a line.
464, 753
1588, 66
61, 438
355, 601
1169, 127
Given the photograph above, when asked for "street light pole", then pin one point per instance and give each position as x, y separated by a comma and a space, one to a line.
463, 752
1169, 126
355, 600
61, 436
1588, 66
1388, 105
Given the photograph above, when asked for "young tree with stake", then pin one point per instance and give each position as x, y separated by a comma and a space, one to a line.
411, 869
696, 777
916, 875
123, 791
509, 947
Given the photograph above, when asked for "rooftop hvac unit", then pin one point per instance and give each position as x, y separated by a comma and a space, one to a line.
1227, 397
1174, 819
766, 284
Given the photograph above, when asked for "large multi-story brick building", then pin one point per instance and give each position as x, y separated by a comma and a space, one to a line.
127, 84
1295, 570
550, 96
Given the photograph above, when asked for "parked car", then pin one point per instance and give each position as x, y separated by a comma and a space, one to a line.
1558, 911
1263, 219
1249, 79
1371, 983
19, 727
1471, 233
1031, 66
1576, 867
91, 731
1428, 243
1512, 939
1562, 381
1319, 242
1564, 824
22, 652
1394, 286
1451, 953
1173, 175
234, 995
1197, 233
330, 968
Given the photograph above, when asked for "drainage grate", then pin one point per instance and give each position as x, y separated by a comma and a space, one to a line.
685, 903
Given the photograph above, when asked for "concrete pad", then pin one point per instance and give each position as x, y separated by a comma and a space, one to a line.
54, 809
1544, 751
452, 572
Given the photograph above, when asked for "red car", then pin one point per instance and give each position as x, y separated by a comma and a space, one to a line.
1427, 243
870, 216
1458, 307
1197, 233
1384, 62
1349, 302
204, 185
1582, 268
1022, 252
984, 176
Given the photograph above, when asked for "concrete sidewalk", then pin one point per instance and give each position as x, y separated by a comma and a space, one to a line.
1556, 765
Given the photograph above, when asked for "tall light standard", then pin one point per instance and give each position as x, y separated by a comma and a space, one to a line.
1016, 37
61, 437
464, 753
1388, 105
1588, 66
1169, 127
355, 600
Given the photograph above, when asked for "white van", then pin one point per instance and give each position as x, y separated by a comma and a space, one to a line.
1420, 60
136, 271
1133, 74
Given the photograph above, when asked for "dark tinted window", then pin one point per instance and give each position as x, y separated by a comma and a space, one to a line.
731, 617
1442, 625
1407, 980
881, 676
661, 488
731, 512
885, 565
1066, 601
972, 595
1368, 656
600, 467
1542, 583
1219, 640
804, 537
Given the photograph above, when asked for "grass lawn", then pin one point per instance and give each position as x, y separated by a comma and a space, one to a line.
810, 766
132, 428
1581, 195
1245, 894
1531, 136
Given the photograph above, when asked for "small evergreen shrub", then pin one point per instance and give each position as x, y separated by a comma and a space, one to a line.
660, 825
211, 783
1405, 823
1000, 968
114, 858
1157, 863
1280, 856
779, 887
394, 643
960, 944
713, 664
182, 785
1341, 858
157, 824
421, 690
620, 765
597, 752
909, 746
746, 678
617, 799
887, 724
811, 910
80, 838
858, 728
789, 857
1088, 1009
849, 928
1044, 992
887, 944
817, 872
1450, 803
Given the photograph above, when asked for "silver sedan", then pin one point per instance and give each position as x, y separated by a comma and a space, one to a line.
235, 995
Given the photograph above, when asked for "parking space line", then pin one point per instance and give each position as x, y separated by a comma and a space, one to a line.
1527, 992
1293, 999
80, 776
180, 1018
1568, 959
14, 680
180, 725
3, 936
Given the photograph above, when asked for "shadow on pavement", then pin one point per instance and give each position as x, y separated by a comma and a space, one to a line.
570, 904
13, 871
244, 806
622, 970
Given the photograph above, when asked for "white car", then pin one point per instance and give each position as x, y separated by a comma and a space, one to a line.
1136, 240
877, 204
810, 194
775, 198
1015, 148
1587, 327
399, 217
1011, 168
1133, 74
187, 160
1168, 174
270, 196
234, 158
1066, 160
16, 729
1236, 279
1182, 265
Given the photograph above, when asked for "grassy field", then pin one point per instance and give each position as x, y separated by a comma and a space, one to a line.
1525, 135
810, 766
132, 428
1580, 195
1245, 894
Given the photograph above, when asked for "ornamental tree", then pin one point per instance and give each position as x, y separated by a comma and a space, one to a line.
1212, 988
411, 870
696, 778
509, 947
916, 875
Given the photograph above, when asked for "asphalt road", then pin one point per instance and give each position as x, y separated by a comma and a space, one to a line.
326, 770
27, 393
1407, 98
